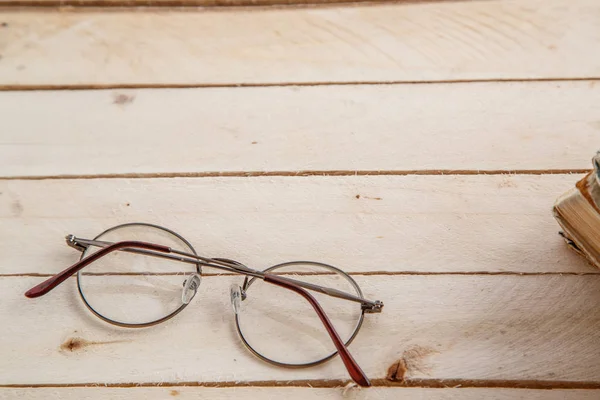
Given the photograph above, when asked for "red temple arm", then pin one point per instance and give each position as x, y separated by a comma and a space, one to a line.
354, 370
52, 282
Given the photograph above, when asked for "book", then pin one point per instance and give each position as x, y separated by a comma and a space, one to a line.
578, 213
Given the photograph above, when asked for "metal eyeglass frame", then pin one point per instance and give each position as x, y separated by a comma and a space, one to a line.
156, 250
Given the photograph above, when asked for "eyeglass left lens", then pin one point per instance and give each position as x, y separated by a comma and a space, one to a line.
135, 289
282, 328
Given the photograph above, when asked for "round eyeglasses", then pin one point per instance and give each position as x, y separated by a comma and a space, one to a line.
138, 275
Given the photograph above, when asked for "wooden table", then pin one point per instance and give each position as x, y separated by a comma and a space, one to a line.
417, 145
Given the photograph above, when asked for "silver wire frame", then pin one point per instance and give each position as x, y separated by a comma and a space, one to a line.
228, 266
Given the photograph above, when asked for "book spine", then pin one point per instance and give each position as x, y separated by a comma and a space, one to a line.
594, 182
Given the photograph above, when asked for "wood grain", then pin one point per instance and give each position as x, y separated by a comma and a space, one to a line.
482, 126
439, 41
516, 328
397, 223
183, 393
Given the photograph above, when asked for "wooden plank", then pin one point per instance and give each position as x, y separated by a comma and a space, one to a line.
455, 329
184, 393
397, 223
484, 126
439, 41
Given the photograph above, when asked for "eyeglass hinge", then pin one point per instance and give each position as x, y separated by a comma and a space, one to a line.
243, 288
72, 241
372, 308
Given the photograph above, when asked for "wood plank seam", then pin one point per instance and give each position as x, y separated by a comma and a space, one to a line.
213, 4
28, 87
249, 393
306, 173
334, 383
358, 273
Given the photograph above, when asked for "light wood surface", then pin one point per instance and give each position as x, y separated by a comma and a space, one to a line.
184, 393
397, 223
457, 328
401, 183
431, 41
470, 126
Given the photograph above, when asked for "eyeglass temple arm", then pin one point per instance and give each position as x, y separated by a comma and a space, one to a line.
368, 305
353, 368
52, 282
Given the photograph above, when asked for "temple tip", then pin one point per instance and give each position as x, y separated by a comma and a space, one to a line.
363, 381
39, 289
33, 292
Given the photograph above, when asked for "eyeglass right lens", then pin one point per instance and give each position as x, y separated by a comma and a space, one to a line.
137, 289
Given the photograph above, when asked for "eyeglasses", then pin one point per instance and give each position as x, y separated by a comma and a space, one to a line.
132, 282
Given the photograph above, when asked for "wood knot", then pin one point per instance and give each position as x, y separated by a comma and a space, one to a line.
412, 360
358, 196
174, 392
396, 371
74, 344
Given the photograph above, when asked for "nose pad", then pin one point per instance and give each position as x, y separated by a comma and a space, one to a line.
236, 296
190, 287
